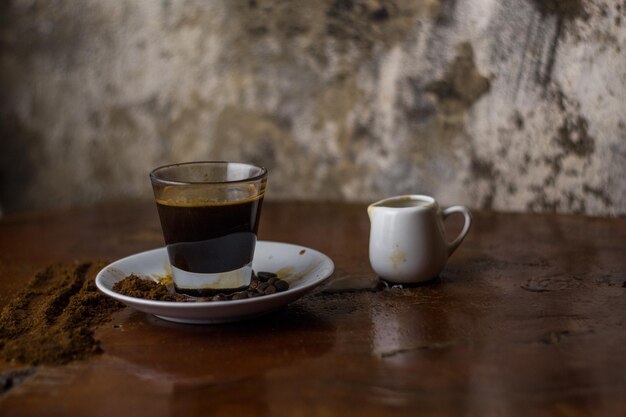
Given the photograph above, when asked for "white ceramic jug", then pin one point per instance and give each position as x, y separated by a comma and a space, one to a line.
407, 238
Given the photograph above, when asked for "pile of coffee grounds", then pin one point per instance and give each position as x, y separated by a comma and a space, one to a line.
52, 320
134, 286
263, 283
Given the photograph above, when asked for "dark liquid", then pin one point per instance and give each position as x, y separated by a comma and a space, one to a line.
210, 238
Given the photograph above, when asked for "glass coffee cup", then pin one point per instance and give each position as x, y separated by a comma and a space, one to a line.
209, 213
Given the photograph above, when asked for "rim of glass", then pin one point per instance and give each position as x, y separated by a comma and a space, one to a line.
154, 173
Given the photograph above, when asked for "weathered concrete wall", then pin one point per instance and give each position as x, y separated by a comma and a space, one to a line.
500, 104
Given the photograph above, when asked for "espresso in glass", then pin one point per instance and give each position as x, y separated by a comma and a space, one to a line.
209, 214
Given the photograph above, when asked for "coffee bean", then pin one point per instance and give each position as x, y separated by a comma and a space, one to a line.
239, 296
265, 276
261, 283
281, 285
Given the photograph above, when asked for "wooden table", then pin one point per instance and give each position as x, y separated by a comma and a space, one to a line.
526, 319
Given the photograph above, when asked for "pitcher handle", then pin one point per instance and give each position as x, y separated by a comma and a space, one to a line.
466, 225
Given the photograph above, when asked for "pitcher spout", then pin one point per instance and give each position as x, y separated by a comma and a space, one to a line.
370, 211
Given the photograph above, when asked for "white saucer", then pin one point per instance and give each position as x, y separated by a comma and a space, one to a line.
302, 267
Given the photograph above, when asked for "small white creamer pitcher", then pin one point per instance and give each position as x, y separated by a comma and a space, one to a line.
407, 238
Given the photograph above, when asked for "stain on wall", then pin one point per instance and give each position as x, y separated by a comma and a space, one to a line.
503, 105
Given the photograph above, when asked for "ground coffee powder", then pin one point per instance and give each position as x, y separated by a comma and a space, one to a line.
263, 283
134, 286
52, 320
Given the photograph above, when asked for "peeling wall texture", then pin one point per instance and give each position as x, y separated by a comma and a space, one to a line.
516, 105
